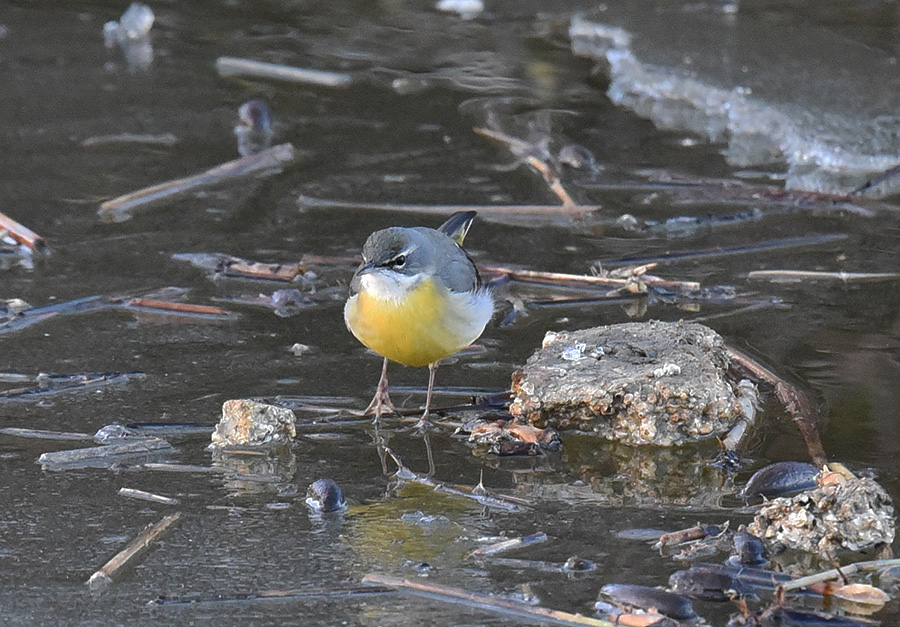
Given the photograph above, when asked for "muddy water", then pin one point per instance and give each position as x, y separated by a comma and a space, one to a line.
399, 134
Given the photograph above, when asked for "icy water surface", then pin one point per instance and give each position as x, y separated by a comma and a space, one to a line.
401, 132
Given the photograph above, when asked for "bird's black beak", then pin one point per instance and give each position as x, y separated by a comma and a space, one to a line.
364, 268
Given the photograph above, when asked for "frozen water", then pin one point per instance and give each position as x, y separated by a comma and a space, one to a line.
799, 95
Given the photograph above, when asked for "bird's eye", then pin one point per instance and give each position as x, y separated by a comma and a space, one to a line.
399, 261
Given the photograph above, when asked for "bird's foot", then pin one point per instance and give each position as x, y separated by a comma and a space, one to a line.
380, 403
424, 424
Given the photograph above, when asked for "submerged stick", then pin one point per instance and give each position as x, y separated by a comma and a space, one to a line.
234, 66
268, 159
794, 401
103, 577
811, 275
449, 594
43, 434
482, 499
263, 595
443, 210
509, 545
92, 454
147, 496
877, 180
841, 573
173, 307
21, 233
556, 278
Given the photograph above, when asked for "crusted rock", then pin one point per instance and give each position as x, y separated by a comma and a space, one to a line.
844, 512
638, 383
246, 422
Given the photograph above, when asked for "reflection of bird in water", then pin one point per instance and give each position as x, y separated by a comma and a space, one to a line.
416, 299
254, 128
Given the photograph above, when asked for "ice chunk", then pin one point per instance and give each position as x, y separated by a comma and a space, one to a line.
818, 102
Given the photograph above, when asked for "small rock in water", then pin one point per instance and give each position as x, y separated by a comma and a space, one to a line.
324, 495
246, 422
638, 383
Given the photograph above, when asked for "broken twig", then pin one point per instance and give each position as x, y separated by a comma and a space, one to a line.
173, 307
21, 233
79, 457
786, 276
103, 577
263, 595
444, 210
488, 602
509, 545
42, 434
234, 66
794, 401
266, 160
147, 496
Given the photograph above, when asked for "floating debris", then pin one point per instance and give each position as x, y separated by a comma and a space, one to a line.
42, 434
49, 384
254, 128
509, 545
103, 577
21, 233
324, 495
153, 305
163, 139
706, 585
748, 550
267, 161
230, 266
263, 595
780, 479
506, 437
492, 603
852, 513
668, 604
246, 422
796, 276
691, 534
132, 34
572, 566
147, 496
638, 383
233, 66
103, 456
466, 9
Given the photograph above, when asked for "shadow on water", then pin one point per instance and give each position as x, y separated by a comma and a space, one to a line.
399, 134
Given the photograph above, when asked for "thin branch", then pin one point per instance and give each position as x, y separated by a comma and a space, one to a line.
443, 210
800, 275
103, 577
268, 159
234, 66
21, 233
794, 401
491, 603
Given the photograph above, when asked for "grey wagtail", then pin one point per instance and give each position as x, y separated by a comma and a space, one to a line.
416, 299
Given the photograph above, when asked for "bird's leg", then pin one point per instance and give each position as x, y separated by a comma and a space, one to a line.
382, 399
424, 421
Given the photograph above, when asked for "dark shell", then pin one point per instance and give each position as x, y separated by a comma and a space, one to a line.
781, 478
666, 603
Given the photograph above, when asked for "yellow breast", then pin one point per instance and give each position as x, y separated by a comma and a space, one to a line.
419, 330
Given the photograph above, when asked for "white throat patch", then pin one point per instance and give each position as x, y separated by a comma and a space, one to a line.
385, 284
